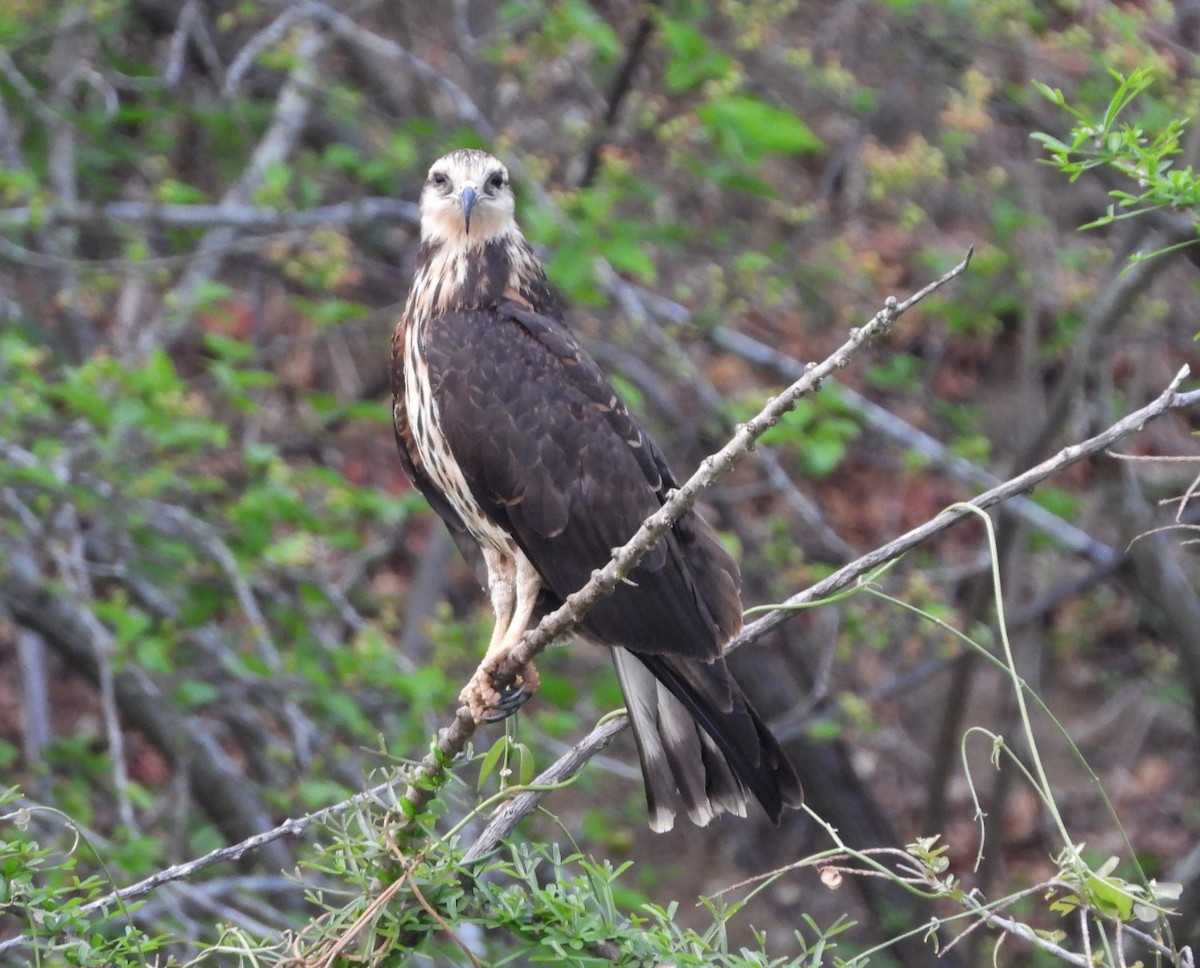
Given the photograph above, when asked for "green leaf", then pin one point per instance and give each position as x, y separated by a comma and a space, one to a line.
1050, 142
693, 59
491, 759
195, 694
628, 256
294, 550
1110, 894
525, 764
758, 127
1052, 94
228, 349
331, 312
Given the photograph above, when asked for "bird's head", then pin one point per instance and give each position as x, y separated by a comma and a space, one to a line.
467, 200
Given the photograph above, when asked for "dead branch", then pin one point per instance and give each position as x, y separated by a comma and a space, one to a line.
229, 214
232, 804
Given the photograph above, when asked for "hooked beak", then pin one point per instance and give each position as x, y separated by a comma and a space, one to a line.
467, 197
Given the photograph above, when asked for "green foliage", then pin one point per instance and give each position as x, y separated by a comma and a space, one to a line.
693, 58
509, 760
747, 128
817, 430
599, 223
43, 894
533, 905
1108, 140
736, 125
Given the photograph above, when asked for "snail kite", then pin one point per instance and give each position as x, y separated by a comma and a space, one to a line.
520, 444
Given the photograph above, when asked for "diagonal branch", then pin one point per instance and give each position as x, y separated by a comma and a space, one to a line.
711, 470
1169, 400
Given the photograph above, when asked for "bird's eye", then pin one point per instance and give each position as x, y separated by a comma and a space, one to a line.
439, 180
496, 181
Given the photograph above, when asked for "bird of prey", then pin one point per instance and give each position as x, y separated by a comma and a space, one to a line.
517, 440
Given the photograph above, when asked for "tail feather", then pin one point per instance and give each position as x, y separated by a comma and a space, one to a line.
700, 743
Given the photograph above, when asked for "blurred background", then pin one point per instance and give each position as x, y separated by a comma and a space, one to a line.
221, 604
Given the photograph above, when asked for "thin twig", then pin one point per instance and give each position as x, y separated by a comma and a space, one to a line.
1169, 400
917, 441
226, 214
429, 908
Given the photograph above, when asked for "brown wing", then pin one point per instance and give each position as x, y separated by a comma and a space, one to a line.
553, 456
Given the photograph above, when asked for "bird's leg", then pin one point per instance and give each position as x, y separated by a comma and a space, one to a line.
479, 695
514, 587
524, 685
502, 589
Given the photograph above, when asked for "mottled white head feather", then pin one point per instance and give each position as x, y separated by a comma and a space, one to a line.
467, 200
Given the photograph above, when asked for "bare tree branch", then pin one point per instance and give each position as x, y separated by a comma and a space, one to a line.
35, 693
229, 214
916, 441
67, 552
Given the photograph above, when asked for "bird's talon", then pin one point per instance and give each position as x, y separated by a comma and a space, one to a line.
488, 704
